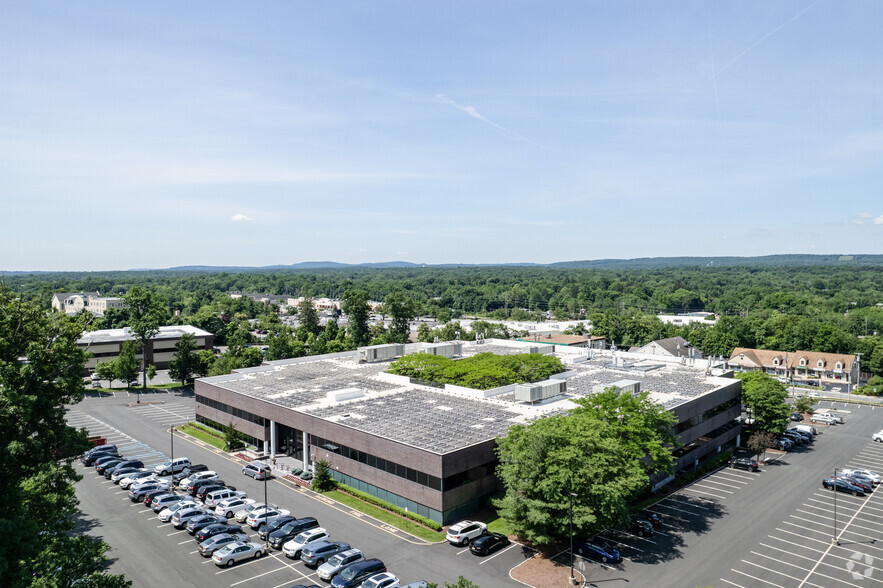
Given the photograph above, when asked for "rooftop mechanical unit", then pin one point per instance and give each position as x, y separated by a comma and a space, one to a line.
376, 353
632, 386
444, 349
542, 349
539, 390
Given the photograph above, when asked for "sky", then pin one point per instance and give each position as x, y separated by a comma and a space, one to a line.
161, 134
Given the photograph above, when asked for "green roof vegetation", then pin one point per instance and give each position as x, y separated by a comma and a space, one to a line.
482, 371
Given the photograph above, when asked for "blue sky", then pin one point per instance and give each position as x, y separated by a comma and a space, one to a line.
159, 134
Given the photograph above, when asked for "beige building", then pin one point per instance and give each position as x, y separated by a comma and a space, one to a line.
802, 366
105, 344
72, 303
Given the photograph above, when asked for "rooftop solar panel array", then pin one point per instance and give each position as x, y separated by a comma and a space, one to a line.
429, 420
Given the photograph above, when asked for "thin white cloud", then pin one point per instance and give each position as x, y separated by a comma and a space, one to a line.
471, 111
241, 218
879, 220
865, 215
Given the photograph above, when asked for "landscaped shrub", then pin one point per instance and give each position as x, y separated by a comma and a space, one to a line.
483, 371
390, 507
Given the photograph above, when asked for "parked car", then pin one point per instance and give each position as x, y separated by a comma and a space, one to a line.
182, 516
125, 464
215, 542
151, 496
842, 485
817, 418
227, 508
795, 437
203, 490
187, 483
265, 515
274, 525
120, 473
166, 501
171, 466
127, 481
381, 580
465, 531
488, 543
242, 515
784, 443
188, 471
743, 463
652, 517
166, 514
833, 416
222, 494
138, 492
257, 470
217, 529
104, 464
355, 574
90, 457
867, 473
806, 429
864, 484
336, 563
878, 436
234, 552
316, 554
642, 527
807, 435
198, 523
293, 547
796, 416
197, 486
597, 550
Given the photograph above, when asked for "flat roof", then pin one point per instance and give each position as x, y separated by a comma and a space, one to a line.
124, 334
339, 389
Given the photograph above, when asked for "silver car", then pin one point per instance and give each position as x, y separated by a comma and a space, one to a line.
233, 552
318, 553
166, 514
333, 566
212, 544
242, 515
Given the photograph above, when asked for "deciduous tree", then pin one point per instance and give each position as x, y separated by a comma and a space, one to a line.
126, 365
146, 313
184, 365
766, 398
355, 305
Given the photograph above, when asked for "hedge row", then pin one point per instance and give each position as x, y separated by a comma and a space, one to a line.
390, 507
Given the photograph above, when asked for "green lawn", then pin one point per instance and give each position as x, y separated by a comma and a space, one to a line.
202, 436
386, 516
499, 525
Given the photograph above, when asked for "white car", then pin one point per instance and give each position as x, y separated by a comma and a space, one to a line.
818, 418
187, 483
166, 514
866, 473
227, 508
132, 478
381, 580
265, 515
214, 498
242, 515
878, 436
465, 531
293, 548
116, 478
831, 415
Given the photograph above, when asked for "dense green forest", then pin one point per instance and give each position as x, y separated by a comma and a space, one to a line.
823, 307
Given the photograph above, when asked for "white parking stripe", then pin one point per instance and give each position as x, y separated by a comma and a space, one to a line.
756, 578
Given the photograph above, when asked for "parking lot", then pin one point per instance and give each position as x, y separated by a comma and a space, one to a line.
153, 553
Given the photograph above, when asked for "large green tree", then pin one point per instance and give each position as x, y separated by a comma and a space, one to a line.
185, 364
766, 398
126, 364
603, 451
308, 317
355, 305
402, 309
146, 313
41, 372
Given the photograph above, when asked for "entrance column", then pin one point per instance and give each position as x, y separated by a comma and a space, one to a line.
306, 452
272, 439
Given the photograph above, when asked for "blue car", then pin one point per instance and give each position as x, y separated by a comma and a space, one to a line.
842, 486
597, 550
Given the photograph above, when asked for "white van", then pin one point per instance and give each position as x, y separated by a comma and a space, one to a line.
172, 466
806, 429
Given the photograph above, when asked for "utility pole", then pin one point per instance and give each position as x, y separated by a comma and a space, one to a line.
834, 540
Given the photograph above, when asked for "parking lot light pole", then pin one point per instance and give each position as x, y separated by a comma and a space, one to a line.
572, 579
266, 509
172, 456
834, 540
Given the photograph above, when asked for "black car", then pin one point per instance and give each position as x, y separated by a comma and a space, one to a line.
148, 498
487, 543
842, 485
796, 416
284, 529
102, 466
197, 523
863, 484
642, 527
217, 529
93, 454
128, 463
743, 463
186, 472
652, 517
208, 482
203, 490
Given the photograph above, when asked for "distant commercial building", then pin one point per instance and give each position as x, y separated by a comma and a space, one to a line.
706, 318
72, 303
676, 347
105, 345
431, 449
798, 366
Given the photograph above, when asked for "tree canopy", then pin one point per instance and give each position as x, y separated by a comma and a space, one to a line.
602, 451
483, 370
766, 398
41, 372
